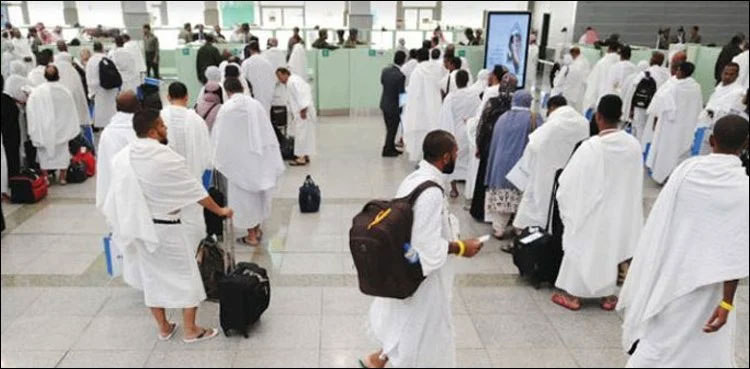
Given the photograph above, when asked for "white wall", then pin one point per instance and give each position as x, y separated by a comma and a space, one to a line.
181, 12
326, 14
48, 12
562, 14
106, 13
470, 13
384, 14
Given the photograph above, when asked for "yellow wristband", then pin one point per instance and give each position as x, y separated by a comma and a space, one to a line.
461, 247
726, 306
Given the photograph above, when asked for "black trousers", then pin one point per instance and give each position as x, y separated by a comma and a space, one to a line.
150, 55
13, 153
391, 126
477, 202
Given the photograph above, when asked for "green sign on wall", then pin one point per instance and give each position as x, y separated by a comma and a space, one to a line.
462, 53
237, 12
326, 52
372, 53
185, 51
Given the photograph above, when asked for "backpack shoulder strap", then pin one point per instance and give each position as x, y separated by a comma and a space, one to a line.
414, 195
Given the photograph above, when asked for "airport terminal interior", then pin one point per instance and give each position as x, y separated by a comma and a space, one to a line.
194, 184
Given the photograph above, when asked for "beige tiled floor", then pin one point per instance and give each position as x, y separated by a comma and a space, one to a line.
60, 309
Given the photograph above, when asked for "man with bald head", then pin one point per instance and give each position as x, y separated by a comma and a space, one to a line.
679, 294
116, 135
677, 59
52, 122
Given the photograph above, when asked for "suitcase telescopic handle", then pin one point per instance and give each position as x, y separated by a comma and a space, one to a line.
229, 231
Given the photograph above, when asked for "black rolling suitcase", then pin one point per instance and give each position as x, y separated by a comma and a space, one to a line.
244, 293
537, 252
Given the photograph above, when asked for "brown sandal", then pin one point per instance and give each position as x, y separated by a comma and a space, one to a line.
565, 302
608, 304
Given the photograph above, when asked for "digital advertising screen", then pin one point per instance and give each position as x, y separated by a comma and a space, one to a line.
507, 42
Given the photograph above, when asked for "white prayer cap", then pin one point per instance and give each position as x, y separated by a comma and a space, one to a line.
642, 65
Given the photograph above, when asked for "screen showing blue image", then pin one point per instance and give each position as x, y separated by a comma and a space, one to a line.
507, 42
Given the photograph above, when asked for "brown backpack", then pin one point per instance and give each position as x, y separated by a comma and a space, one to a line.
380, 237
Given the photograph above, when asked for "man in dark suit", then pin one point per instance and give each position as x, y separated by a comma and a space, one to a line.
393, 85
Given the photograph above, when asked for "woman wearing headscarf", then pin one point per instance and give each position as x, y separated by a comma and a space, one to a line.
495, 107
509, 139
209, 102
212, 74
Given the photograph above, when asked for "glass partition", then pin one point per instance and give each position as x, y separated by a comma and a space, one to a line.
413, 38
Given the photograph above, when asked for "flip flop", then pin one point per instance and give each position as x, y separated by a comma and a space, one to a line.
171, 333
565, 302
244, 241
362, 364
295, 163
207, 334
608, 305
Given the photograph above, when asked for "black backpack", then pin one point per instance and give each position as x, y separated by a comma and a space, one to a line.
211, 264
109, 76
380, 243
309, 196
644, 92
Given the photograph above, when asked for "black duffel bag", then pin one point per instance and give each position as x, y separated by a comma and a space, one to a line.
309, 196
76, 172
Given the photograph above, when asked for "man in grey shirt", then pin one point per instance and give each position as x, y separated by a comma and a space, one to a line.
151, 48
